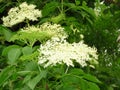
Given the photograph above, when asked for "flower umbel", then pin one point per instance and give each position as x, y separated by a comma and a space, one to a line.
56, 51
41, 33
20, 14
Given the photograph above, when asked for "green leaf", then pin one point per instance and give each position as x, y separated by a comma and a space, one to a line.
91, 78
24, 72
13, 55
68, 87
27, 78
5, 74
6, 33
33, 82
74, 81
77, 2
76, 71
58, 18
33, 56
31, 66
50, 7
7, 49
93, 86
27, 50
71, 5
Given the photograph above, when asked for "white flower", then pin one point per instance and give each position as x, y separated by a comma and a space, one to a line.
20, 14
60, 51
81, 36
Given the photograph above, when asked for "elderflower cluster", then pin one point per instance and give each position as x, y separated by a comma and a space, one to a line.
52, 29
41, 33
57, 51
21, 13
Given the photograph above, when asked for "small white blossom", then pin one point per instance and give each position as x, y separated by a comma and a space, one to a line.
81, 36
60, 51
20, 14
97, 11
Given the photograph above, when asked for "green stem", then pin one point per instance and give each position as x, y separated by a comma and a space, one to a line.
27, 21
62, 6
66, 70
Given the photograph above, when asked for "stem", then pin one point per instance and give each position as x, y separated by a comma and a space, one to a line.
66, 70
62, 6
27, 21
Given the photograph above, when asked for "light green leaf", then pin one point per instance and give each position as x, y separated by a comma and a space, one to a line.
27, 50
31, 66
13, 55
7, 49
24, 72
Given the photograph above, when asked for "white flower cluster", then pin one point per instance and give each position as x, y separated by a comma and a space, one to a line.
21, 13
41, 33
52, 29
56, 51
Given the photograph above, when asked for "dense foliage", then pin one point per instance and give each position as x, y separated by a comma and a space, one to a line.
59, 45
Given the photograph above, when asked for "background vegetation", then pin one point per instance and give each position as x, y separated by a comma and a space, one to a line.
19, 69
